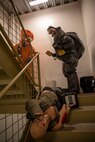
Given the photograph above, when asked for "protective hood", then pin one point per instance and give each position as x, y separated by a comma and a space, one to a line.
28, 33
60, 33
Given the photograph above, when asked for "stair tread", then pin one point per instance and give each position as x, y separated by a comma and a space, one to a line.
4, 81
86, 94
79, 127
67, 136
15, 92
83, 108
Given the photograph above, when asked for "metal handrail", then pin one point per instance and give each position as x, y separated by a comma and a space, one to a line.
10, 44
17, 76
25, 81
14, 52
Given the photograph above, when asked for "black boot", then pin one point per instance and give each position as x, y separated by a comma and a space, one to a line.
73, 83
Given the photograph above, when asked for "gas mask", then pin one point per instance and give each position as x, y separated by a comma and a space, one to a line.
24, 43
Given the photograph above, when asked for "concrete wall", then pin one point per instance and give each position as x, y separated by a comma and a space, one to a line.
88, 13
69, 17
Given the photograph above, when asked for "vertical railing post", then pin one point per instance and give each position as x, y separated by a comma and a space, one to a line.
39, 75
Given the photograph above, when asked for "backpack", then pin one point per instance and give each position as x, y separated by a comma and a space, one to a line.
79, 47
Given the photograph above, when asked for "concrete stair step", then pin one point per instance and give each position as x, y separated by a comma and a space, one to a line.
79, 127
83, 114
86, 99
80, 132
3, 74
67, 136
13, 109
1, 70
15, 92
5, 81
17, 105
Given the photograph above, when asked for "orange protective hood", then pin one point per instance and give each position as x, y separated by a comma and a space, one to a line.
28, 33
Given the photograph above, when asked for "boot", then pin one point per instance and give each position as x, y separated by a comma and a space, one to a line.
73, 83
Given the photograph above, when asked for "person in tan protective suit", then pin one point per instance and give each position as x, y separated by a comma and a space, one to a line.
45, 115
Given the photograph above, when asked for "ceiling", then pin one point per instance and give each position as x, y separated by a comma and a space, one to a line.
24, 7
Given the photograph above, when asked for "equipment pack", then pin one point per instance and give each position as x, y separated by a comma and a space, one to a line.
78, 43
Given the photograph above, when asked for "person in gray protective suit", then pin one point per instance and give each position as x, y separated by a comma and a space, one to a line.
69, 49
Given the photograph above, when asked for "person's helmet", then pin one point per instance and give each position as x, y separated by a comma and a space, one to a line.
28, 33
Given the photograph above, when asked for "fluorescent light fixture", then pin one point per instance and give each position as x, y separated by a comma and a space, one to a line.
35, 2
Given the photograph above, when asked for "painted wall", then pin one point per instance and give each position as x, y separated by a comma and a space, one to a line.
69, 17
88, 12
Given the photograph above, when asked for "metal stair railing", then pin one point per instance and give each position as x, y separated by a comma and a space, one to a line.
6, 38
2, 93
23, 86
31, 63
12, 101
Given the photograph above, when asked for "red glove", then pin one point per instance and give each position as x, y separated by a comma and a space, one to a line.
64, 118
